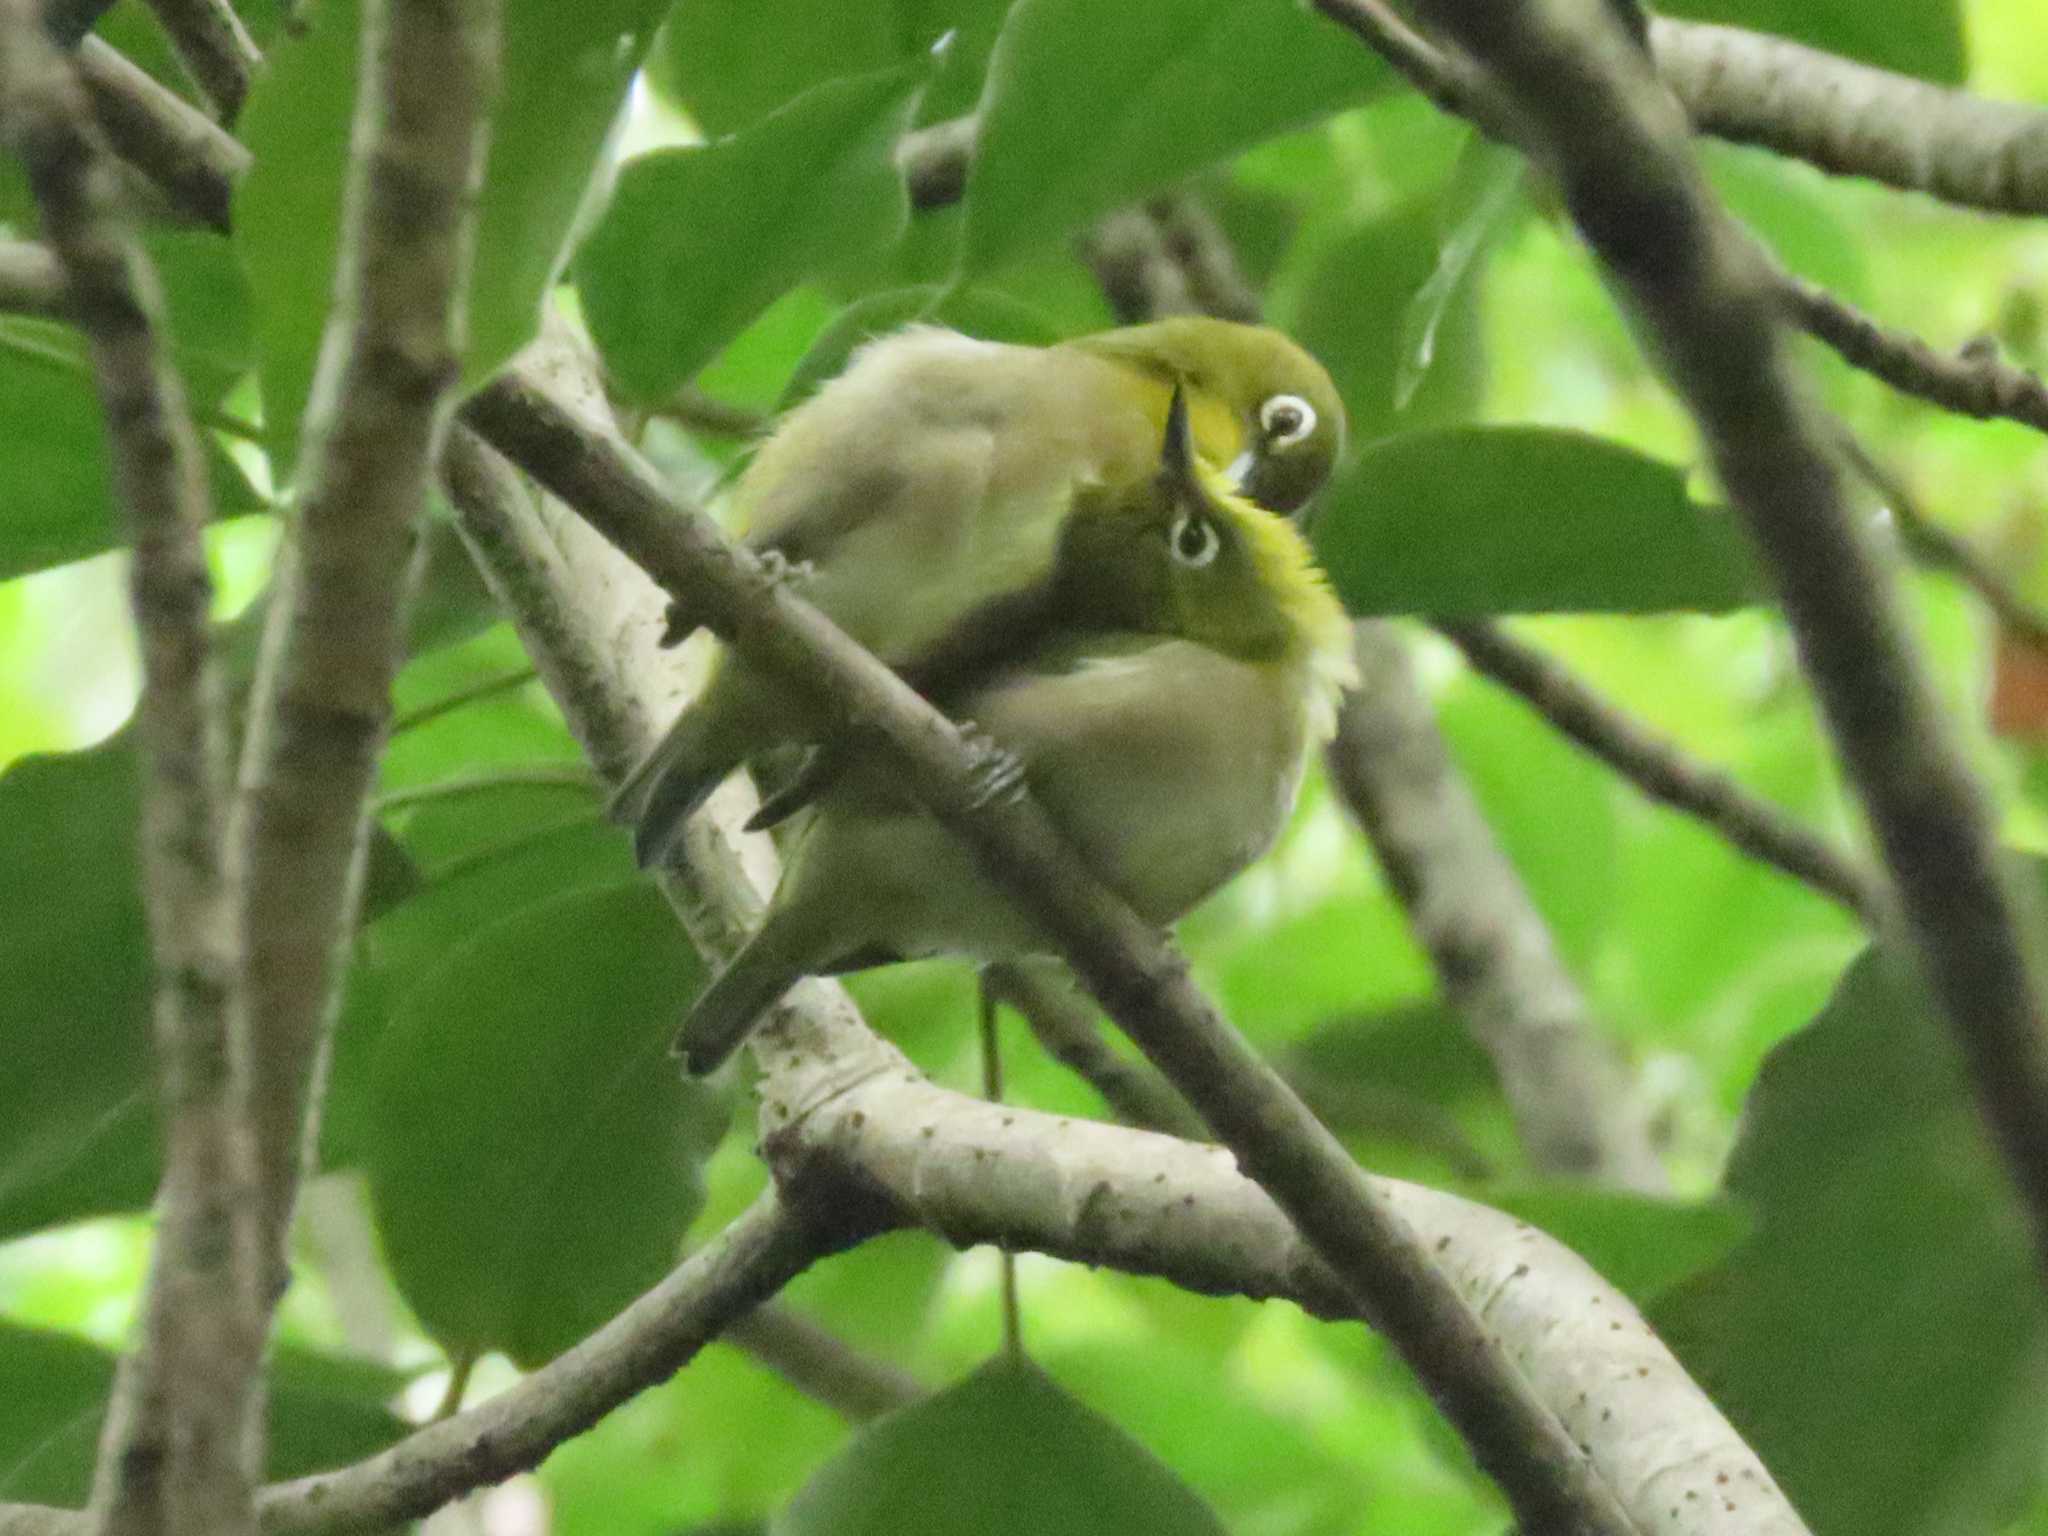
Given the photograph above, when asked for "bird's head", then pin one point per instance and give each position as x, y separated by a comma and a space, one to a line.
1261, 406
1185, 554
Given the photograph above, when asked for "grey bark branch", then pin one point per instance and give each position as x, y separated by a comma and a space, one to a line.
1139, 978
1737, 85
192, 158
976, 1172
1936, 547
174, 1459
1705, 66
1855, 119
1619, 148
1660, 770
214, 47
760, 1252
1493, 954
380, 398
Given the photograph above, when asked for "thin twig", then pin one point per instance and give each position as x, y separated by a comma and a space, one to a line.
195, 160
1972, 381
1093, 1194
1935, 546
461, 698
333, 635
1705, 66
1658, 768
487, 781
1064, 1020
215, 49
1493, 954
1620, 149
1140, 979
174, 1458
989, 1024
821, 1365
764, 1248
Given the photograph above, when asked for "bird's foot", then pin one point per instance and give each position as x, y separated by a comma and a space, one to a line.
782, 571
678, 624
998, 772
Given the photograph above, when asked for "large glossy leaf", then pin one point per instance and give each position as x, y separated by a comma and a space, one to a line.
1881, 1339
1488, 520
77, 1121
535, 1151
1005, 1450
325, 1411
55, 479
565, 72
1088, 106
711, 61
1915, 37
1352, 314
698, 241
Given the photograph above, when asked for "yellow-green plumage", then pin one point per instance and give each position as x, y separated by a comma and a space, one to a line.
1166, 737
928, 489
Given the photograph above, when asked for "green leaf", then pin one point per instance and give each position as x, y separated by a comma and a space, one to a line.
1488, 520
1642, 1246
77, 1112
534, 1158
325, 1411
1484, 196
1088, 106
699, 241
1005, 1450
710, 60
565, 71
1880, 1338
1352, 314
56, 482
988, 314
1915, 37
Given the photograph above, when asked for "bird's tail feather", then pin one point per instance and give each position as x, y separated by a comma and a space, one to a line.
675, 778
727, 1010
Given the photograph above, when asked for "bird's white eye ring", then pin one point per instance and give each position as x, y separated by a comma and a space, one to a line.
1194, 540
1285, 420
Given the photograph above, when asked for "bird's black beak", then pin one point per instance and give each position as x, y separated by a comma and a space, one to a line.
1177, 453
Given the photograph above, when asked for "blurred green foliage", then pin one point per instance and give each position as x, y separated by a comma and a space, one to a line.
1852, 1290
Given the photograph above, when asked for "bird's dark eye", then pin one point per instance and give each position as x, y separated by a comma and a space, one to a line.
1285, 420
1194, 540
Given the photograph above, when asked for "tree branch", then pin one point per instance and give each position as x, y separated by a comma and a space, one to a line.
1978, 384
765, 1247
1091, 1193
1660, 770
1493, 955
321, 703
1149, 1204
1620, 150
821, 1365
1854, 119
192, 158
1139, 978
174, 1459
214, 47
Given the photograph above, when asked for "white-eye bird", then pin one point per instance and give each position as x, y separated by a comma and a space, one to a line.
1165, 735
924, 492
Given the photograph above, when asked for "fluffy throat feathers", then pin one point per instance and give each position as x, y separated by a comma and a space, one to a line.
1318, 629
